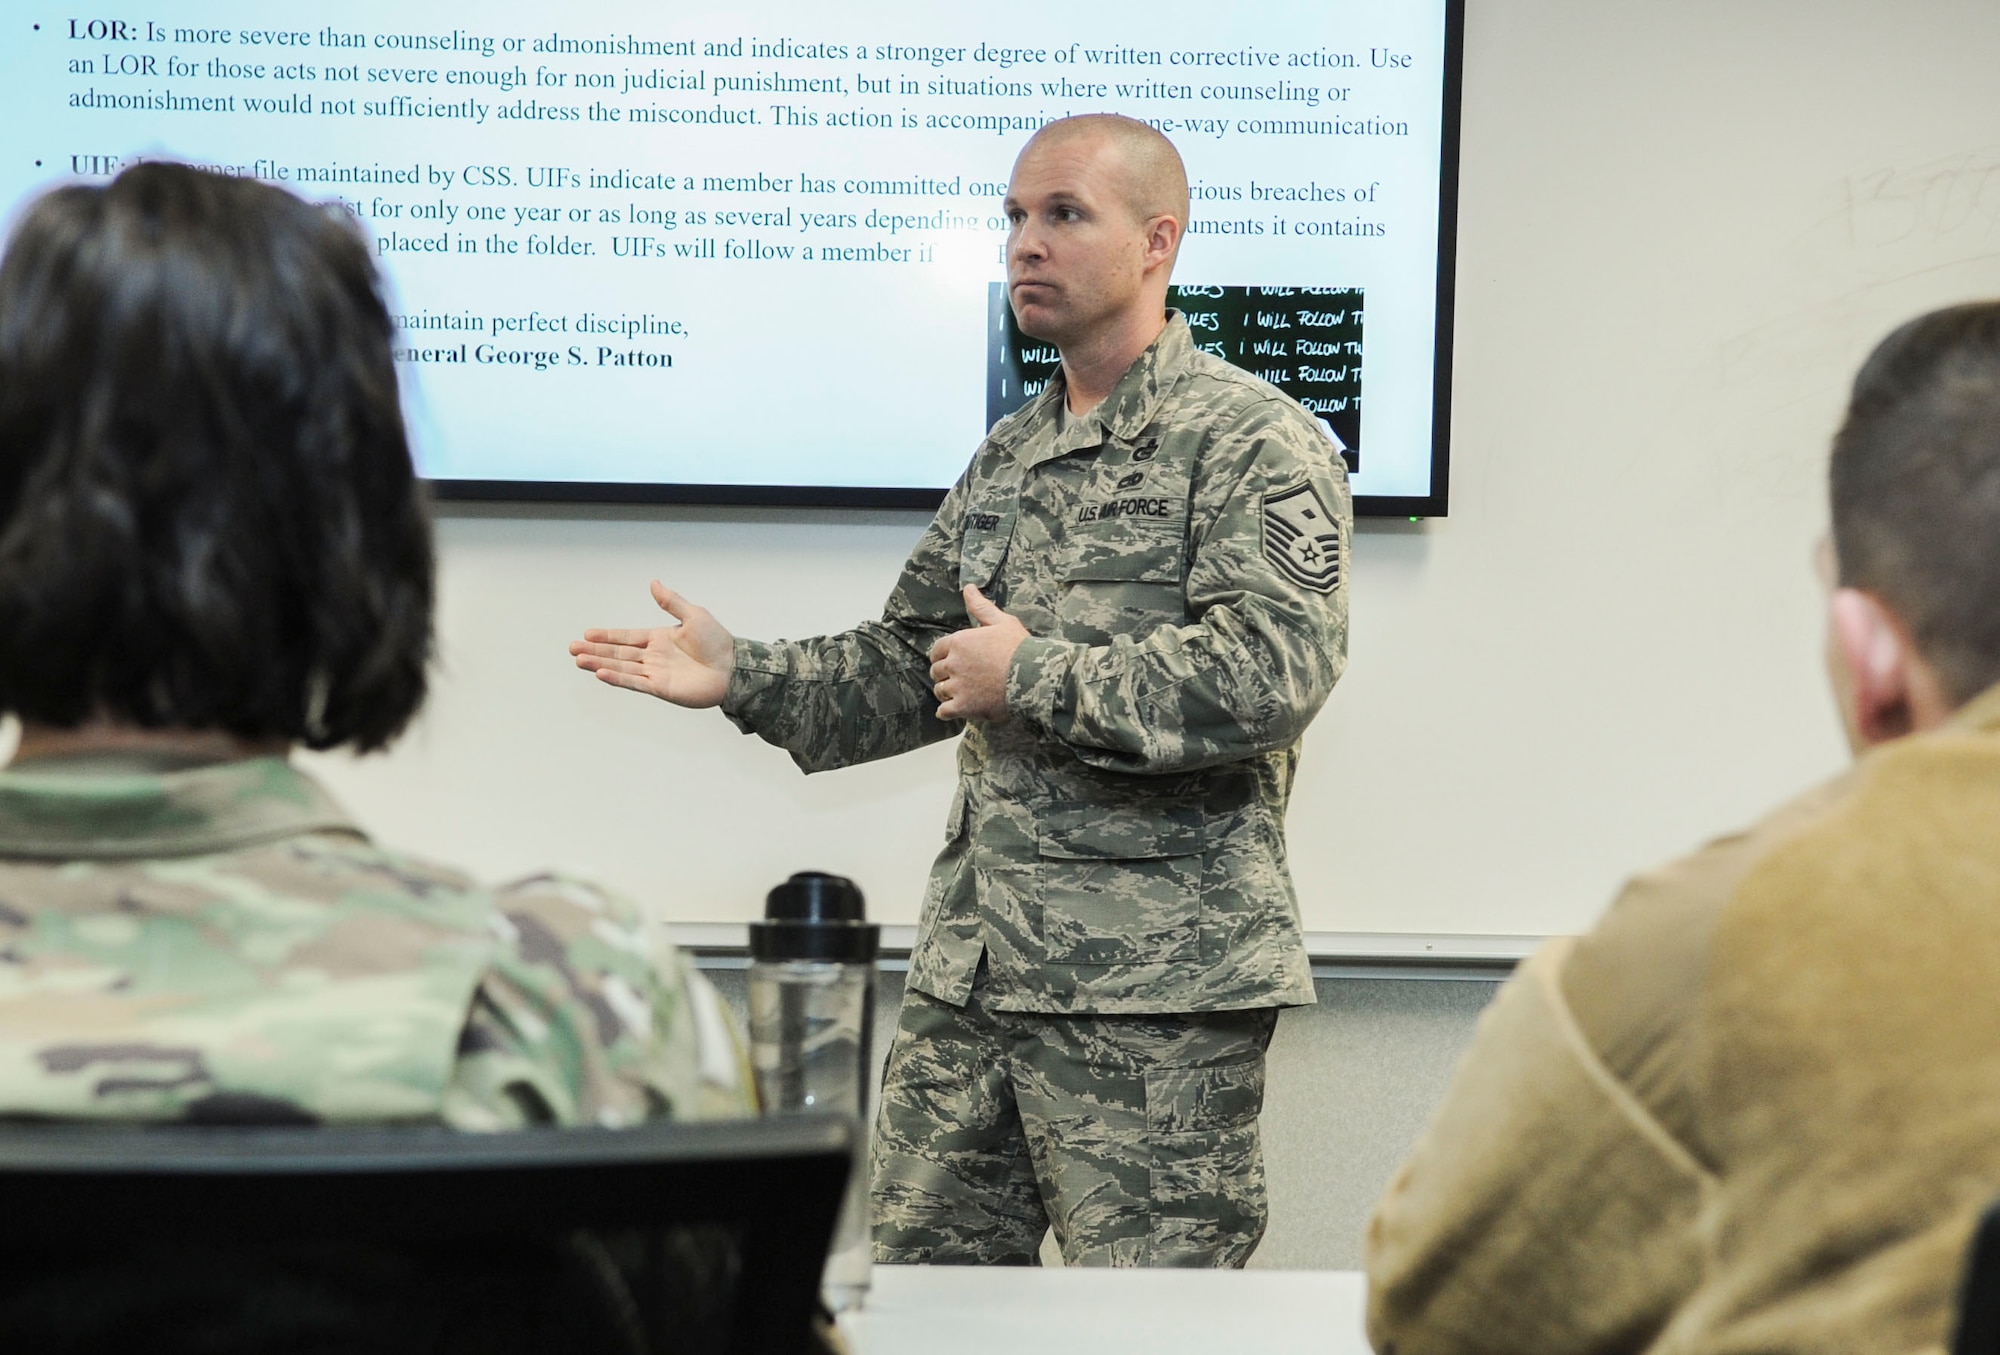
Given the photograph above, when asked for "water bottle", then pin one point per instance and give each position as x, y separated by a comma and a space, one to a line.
812, 1015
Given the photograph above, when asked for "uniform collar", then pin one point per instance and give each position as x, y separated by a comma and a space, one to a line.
1981, 714
1136, 398
101, 808
1130, 407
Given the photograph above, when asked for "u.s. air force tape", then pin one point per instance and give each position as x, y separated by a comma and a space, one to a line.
1302, 538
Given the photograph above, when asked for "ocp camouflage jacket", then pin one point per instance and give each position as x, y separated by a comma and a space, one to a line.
1179, 557
219, 942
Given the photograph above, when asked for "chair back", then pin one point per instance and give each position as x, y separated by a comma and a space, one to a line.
1979, 1291
736, 1216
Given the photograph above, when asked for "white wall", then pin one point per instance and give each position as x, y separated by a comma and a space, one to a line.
1683, 225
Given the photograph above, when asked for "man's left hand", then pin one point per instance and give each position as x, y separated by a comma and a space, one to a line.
969, 667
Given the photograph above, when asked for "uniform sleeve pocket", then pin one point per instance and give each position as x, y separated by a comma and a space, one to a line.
1121, 885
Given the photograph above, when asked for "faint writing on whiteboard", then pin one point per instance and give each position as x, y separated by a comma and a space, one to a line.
1958, 196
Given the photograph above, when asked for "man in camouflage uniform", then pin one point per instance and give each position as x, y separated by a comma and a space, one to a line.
1132, 604
215, 941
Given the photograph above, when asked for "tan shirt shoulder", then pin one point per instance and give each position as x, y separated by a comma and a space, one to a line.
1551, 1205
1634, 984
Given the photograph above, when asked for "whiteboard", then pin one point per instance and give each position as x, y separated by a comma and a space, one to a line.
1682, 227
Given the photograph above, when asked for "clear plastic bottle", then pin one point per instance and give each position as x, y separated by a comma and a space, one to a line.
812, 1004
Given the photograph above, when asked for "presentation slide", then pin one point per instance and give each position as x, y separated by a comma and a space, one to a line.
755, 251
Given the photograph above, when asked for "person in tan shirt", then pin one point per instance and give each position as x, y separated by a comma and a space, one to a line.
1758, 1107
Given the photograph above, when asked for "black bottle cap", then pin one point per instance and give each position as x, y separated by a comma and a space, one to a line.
814, 896
815, 916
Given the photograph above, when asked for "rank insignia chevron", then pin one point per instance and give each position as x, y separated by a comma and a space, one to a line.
1302, 538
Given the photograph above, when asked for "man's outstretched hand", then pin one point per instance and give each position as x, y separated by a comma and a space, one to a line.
688, 664
969, 667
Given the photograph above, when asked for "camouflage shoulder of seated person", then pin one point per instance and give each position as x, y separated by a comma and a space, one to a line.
590, 1012
315, 978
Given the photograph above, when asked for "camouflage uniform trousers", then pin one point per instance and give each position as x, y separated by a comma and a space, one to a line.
1134, 1137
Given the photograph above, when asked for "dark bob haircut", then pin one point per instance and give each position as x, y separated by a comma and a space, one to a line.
208, 514
1916, 489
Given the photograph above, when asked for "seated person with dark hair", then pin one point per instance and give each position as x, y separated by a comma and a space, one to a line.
213, 547
1758, 1107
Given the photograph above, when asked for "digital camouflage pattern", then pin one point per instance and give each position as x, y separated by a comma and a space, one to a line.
1142, 1131
220, 943
1117, 846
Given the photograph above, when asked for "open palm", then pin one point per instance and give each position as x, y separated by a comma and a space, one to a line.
687, 664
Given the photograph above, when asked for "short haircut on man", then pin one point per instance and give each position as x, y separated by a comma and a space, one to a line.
1916, 489
1156, 180
208, 514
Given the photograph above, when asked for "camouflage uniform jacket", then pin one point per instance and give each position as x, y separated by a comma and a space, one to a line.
1179, 557
219, 943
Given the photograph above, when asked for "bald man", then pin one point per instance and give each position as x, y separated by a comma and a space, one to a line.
1131, 605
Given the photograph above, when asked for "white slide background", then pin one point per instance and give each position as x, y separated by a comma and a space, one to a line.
1683, 226
797, 266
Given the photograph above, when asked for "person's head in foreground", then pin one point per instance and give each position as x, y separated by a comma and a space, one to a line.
1914, 629
1758, 1107
208, 517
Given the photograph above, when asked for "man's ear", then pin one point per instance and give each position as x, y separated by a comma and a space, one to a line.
1163, 237
1877, 662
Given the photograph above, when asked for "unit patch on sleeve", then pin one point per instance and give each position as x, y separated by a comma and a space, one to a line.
1302, 538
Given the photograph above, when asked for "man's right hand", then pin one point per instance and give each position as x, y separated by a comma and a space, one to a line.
688, 664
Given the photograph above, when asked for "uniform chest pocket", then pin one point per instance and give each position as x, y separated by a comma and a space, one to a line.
992, 508
1121, 885
982, 549
1123, 584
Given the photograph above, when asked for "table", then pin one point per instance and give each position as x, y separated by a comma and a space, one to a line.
959, 1310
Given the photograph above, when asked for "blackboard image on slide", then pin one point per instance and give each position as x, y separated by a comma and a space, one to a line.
1306, 341
745, 251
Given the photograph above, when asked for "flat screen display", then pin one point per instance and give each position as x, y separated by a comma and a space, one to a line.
753, 252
